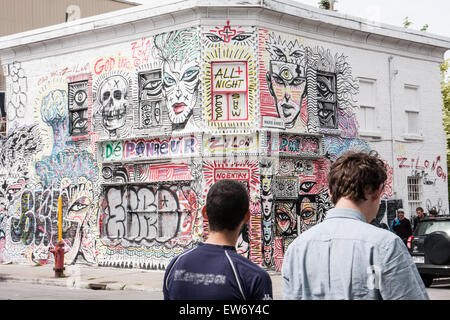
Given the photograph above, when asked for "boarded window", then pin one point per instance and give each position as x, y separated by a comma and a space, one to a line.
150, 99
327, 100
78, 108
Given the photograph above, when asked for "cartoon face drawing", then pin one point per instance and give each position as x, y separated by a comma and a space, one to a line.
267, 231
285, 218
179, 52
266, 180
287, 86
308, 210
180, 85
113, 98
267, 202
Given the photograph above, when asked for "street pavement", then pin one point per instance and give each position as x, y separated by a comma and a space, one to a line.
91, 277
119, 279
26, 291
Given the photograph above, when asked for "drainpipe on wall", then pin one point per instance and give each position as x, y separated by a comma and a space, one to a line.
391, 75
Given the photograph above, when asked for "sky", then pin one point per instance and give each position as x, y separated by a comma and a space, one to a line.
419, 12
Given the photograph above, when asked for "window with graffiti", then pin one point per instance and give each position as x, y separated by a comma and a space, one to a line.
229, 78
326, 100
150, 99
78, 108
148, 212
229, 90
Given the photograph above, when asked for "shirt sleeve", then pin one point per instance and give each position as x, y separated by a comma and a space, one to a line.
399, 278
165, 291
289, 290
166, 279
263, 290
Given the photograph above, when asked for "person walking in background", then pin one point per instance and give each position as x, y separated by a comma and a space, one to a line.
345, 257
214, 270
401, 226
419, 216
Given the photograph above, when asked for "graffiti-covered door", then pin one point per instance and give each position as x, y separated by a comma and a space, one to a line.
155, 220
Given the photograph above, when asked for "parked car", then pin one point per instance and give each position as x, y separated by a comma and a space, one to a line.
430, 248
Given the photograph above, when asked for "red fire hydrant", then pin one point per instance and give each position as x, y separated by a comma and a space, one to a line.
58, 251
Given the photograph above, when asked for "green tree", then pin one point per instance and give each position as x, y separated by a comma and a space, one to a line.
445, 89
325, 4
406, 22
424, 28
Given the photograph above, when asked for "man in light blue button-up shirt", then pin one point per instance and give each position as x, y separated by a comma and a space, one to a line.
345, 257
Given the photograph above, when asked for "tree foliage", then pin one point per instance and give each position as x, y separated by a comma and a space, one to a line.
406, 22
424, 28
445, 89
325, 4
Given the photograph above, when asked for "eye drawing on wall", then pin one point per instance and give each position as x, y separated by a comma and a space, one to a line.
113, 99
150, 84
308, 216
286, 187
334, 90
150, 98
227, 34
285, 216
78, 108
286, 79
326, 100
307, 186
179, 51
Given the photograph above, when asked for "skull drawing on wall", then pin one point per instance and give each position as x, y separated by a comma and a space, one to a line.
112, 96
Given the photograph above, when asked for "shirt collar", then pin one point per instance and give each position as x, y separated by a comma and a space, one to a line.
216, 246
345, 213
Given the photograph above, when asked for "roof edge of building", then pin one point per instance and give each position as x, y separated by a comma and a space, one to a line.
305, 14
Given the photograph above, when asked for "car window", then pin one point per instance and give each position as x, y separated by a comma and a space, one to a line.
427, 227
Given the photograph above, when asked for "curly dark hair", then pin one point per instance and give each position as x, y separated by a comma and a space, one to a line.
354, 175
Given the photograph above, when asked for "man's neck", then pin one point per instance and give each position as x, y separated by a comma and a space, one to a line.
222, 238
363, 207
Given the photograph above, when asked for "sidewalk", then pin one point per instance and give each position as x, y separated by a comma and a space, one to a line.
90, 277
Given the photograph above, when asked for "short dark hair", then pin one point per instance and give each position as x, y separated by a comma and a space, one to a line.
227, 202
420, 209
355, 174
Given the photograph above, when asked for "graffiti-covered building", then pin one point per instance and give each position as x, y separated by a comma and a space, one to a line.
132, 115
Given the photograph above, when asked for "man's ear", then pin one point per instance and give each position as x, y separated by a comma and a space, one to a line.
205, 216
247, 216
377, 192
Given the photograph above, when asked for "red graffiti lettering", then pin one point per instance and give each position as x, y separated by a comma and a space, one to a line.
104, 65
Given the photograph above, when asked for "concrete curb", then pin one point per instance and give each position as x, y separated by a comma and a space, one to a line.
74, 284
97, 278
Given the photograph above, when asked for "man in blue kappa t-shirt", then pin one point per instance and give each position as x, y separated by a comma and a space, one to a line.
214, 270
